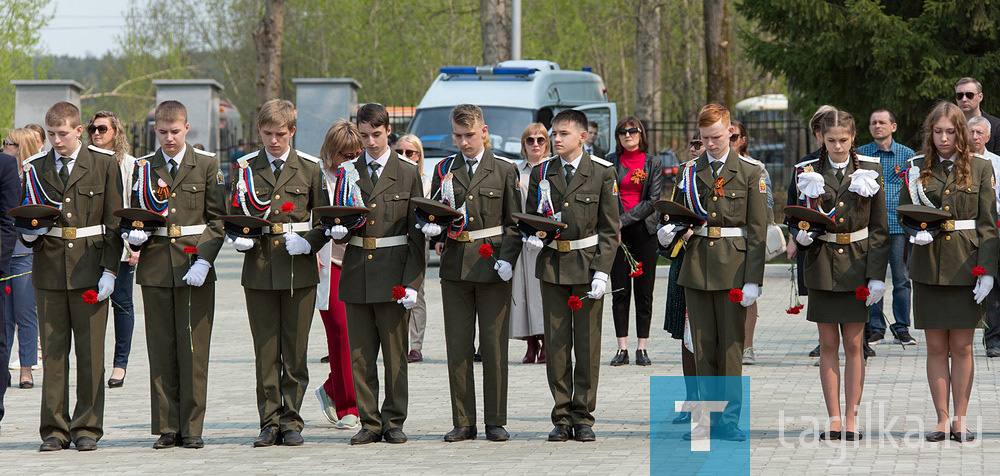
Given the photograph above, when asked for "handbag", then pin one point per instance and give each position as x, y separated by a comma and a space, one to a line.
775, 242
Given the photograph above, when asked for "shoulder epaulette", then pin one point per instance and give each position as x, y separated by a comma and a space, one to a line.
805, 163
407, 161
601, 161
980, 156
690, 163
100, 150
751, 161
249, 156
308, 157
866, 158
36, 156
511, 162
202, 152
146, 156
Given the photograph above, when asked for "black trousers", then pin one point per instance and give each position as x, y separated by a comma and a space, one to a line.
643, 246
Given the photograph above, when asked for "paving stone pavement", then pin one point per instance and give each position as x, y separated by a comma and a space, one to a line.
783, 385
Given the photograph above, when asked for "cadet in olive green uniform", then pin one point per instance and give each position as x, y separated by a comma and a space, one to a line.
954, 271
851, 254
81, 253
486, 188
281, 185
388, 251
178, 289
580, 191
727, 253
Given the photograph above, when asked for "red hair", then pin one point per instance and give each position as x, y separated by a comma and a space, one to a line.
712, 113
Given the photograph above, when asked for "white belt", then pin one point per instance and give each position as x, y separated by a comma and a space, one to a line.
956, 225
281, 228
478, 234
845, 238
72, 232
565, 246
720, 231
177, 231
373, 243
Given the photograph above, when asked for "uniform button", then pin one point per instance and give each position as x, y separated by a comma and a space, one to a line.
374, 205
371, 222
947, 192
840, 204
91, 194
370, 256
173, 194
69, 215
69, 245
276, 242
277, 196
711, 243
296, 190
947, 238
470, 197
194, 188
173, 240
586, 199
173, 210
277, 212
713, 214
947, 207
715, 199
734, 194
565, 204
491, 194
841, 220
840, 250
397, 197
68, 199
471, 219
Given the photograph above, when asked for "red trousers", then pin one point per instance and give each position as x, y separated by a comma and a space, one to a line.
339, 385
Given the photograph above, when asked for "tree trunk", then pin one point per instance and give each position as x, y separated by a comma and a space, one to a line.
267, 38
647, 63
719, 87
494, 20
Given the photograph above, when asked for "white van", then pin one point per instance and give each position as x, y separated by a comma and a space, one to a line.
512, 95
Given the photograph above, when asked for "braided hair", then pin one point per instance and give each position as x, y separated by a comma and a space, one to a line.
963, 149
826, 123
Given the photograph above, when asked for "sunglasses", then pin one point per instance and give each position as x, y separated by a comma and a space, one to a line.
350, 156
696, 144
958, 96
534, 140
625, 132
408, 153
101, 128
734, 138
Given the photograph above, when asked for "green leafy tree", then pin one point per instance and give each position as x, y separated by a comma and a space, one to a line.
862, 55
20, 41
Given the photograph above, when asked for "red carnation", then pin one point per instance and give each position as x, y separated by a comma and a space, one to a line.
574, 303
637, 272
861, 293
792, 310
90, 297
287, 207
978, 271
735, 295
190, 250
485, 250
7, 290
398, 292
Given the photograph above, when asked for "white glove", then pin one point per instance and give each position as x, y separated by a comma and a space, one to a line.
984, 284
504, 269
810, 184
751, 291
106, 285
296, 245
666, 234
876, 289
337, 232
533, 243
136, 237
198, 272
803, 238
29, 238
242, 243
431, 230
598, 286
922, 237
410, 299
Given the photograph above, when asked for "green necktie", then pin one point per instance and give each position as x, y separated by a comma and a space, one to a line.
172, 168
277, 167
716, 165
569, 173
840, 175
472, 164
374, 166
64, 171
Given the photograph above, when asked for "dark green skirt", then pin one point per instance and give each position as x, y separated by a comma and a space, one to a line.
830, 307
945, 307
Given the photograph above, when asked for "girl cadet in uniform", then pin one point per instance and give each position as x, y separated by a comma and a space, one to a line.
952, 272
844, 267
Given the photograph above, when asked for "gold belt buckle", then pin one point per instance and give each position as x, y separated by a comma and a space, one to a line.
277, 229
174, 231
69, 233
369, 243
715, 232
948, 225
563, 246
463, 236
843, 238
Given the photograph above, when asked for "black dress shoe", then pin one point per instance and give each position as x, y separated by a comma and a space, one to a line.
993, 351
969, 436
621, 358
642, 358
684, 418
194, 442
53, 444
269, 436
561, 433
167, 440
292, 438
30, 383
829, 435
935, 436
731, 432
116, 382
85, 443
364, 437
477, 357
869, 352
394, 435
853, 435
324, 359
814, 352
496, 433
583, 433
460, 433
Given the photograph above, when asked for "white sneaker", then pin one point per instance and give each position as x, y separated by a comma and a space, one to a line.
749, 358
349, 422
325, 404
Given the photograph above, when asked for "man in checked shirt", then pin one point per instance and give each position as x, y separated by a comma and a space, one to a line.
893, 157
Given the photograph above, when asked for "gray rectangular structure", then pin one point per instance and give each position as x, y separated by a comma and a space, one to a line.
201, 98
320, 102
34, 97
